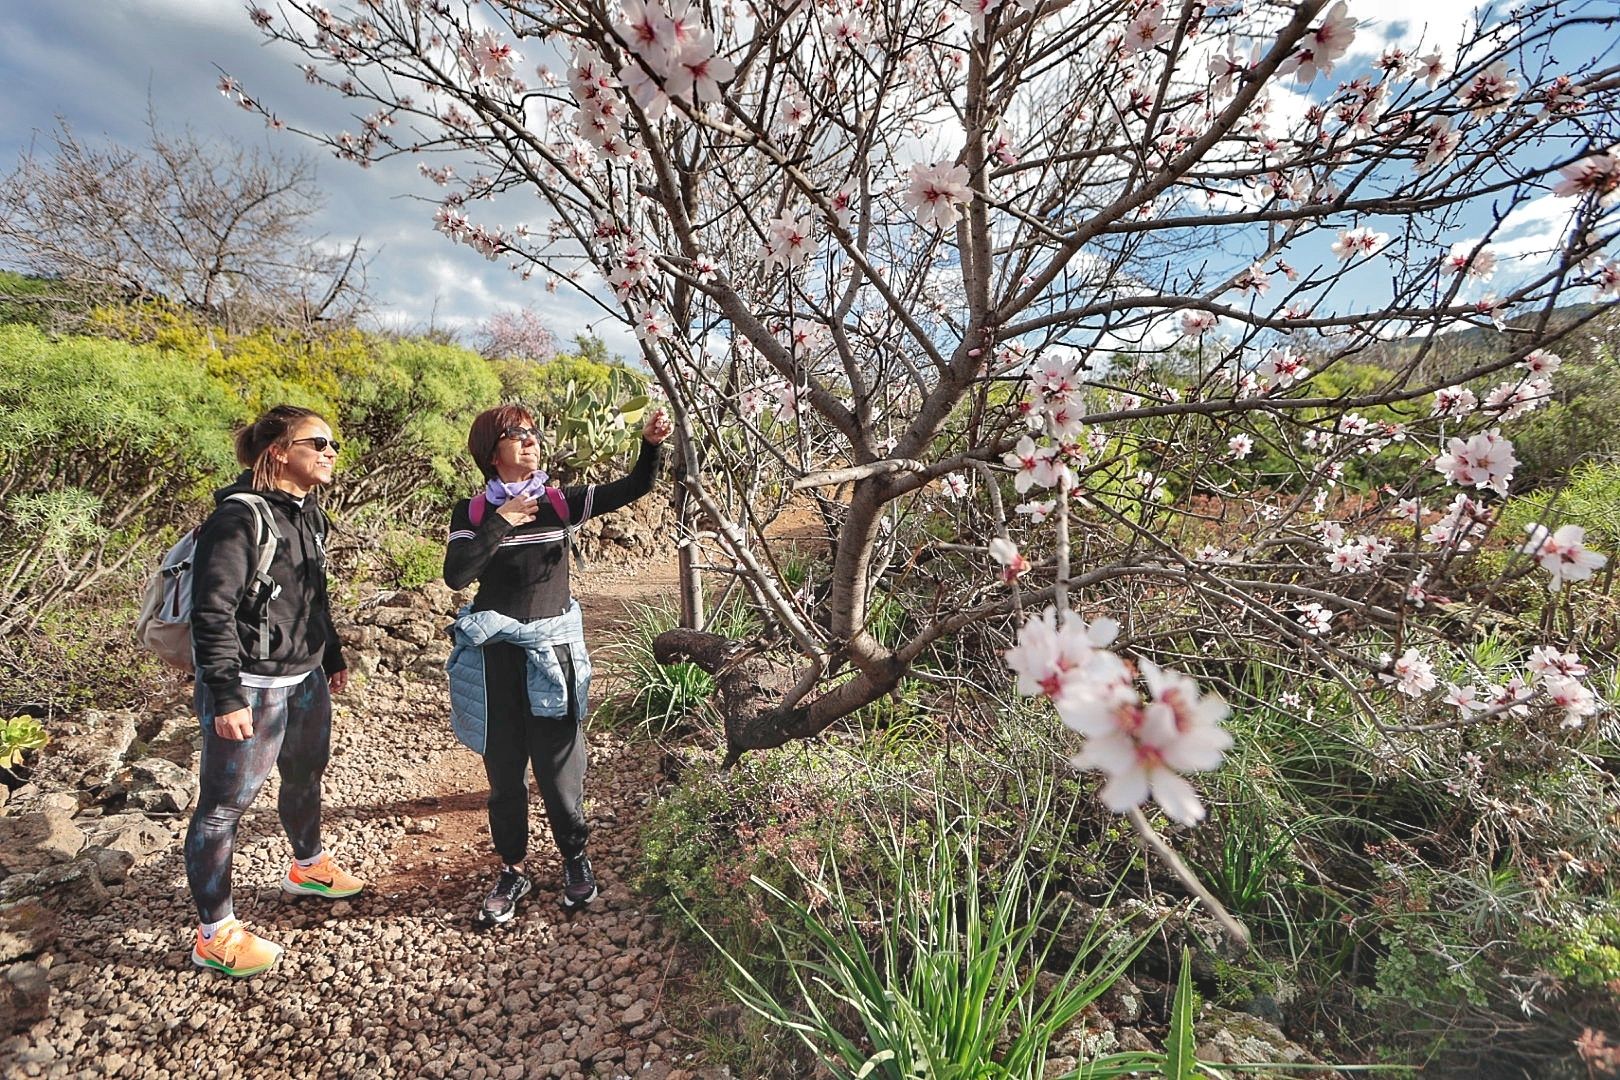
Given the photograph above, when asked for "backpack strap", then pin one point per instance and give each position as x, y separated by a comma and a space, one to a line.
478, 506
558, 503
269, 538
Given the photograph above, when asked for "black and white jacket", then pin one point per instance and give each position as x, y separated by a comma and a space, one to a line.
225, 614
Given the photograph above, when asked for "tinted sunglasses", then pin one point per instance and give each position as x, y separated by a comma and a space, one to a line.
319, 443
521, 433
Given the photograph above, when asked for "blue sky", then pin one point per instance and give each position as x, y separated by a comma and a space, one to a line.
97, 63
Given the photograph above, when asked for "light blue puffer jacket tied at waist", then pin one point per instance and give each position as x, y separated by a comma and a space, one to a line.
469, 699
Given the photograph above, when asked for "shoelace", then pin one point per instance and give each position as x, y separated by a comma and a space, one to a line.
229, 942
506, 888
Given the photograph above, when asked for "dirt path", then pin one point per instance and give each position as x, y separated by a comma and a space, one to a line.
396, 982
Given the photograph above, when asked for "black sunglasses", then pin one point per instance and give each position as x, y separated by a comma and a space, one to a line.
521, 433
319, 443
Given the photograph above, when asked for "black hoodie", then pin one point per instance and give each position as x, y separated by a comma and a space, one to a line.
224, 617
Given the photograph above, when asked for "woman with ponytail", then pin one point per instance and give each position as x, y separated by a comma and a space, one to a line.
519, 672
268, 660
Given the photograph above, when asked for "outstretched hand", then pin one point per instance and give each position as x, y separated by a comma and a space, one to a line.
658, 426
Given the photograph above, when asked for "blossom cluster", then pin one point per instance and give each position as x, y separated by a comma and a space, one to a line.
1142, 742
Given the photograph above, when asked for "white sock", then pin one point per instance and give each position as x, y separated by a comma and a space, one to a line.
309, 862
208, 928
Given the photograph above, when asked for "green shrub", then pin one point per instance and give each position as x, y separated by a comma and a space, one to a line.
104, 446
409, 560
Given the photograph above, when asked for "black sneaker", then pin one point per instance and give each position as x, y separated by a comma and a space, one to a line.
501, 903
579, 884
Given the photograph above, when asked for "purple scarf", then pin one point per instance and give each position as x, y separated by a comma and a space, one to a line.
498, 491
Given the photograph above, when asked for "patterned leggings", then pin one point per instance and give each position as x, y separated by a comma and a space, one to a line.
292, 730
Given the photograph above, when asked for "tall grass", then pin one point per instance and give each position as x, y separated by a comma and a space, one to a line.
936, 972
663, 696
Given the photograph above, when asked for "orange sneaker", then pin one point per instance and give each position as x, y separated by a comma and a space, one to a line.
324, 878
235, 950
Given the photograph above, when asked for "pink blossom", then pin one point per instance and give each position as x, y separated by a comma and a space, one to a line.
652, 325
1573, 697
1463, 258
1323, 46
1454, 401
1546, 661
1147, 29
490, 58
936, 193
788, 241
1065, 662
1463, 521
1000, 146
793, 111
1413, 675
1197, 323
1541, 362
842, 204
1596, 175
847, 30
1315, 618
1037, 466
1282, 367
1433, 68
954, 485
1465, 699
1254, 279
1143, 747
697, 71
1511, 697
645, 91
1483, 460
1562, 553
1440, 142
1013, 564
1037, 510
1353, 242
1608, 280
1225, 68
979, 11
1511, 400
1491, 91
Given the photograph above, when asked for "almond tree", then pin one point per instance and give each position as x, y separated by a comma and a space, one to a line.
1021, 293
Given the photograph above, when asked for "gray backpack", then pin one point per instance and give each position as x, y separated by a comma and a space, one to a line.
164, 625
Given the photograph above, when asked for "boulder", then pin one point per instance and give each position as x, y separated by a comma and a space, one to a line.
1235, 1038
25, 997
86, 751
27, 928
159, 786
31, 842
70, 886
112, 865
136, 834
418, 633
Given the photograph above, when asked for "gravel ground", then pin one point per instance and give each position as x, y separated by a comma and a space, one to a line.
394, 982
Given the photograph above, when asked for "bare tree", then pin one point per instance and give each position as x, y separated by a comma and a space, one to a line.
222, 231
